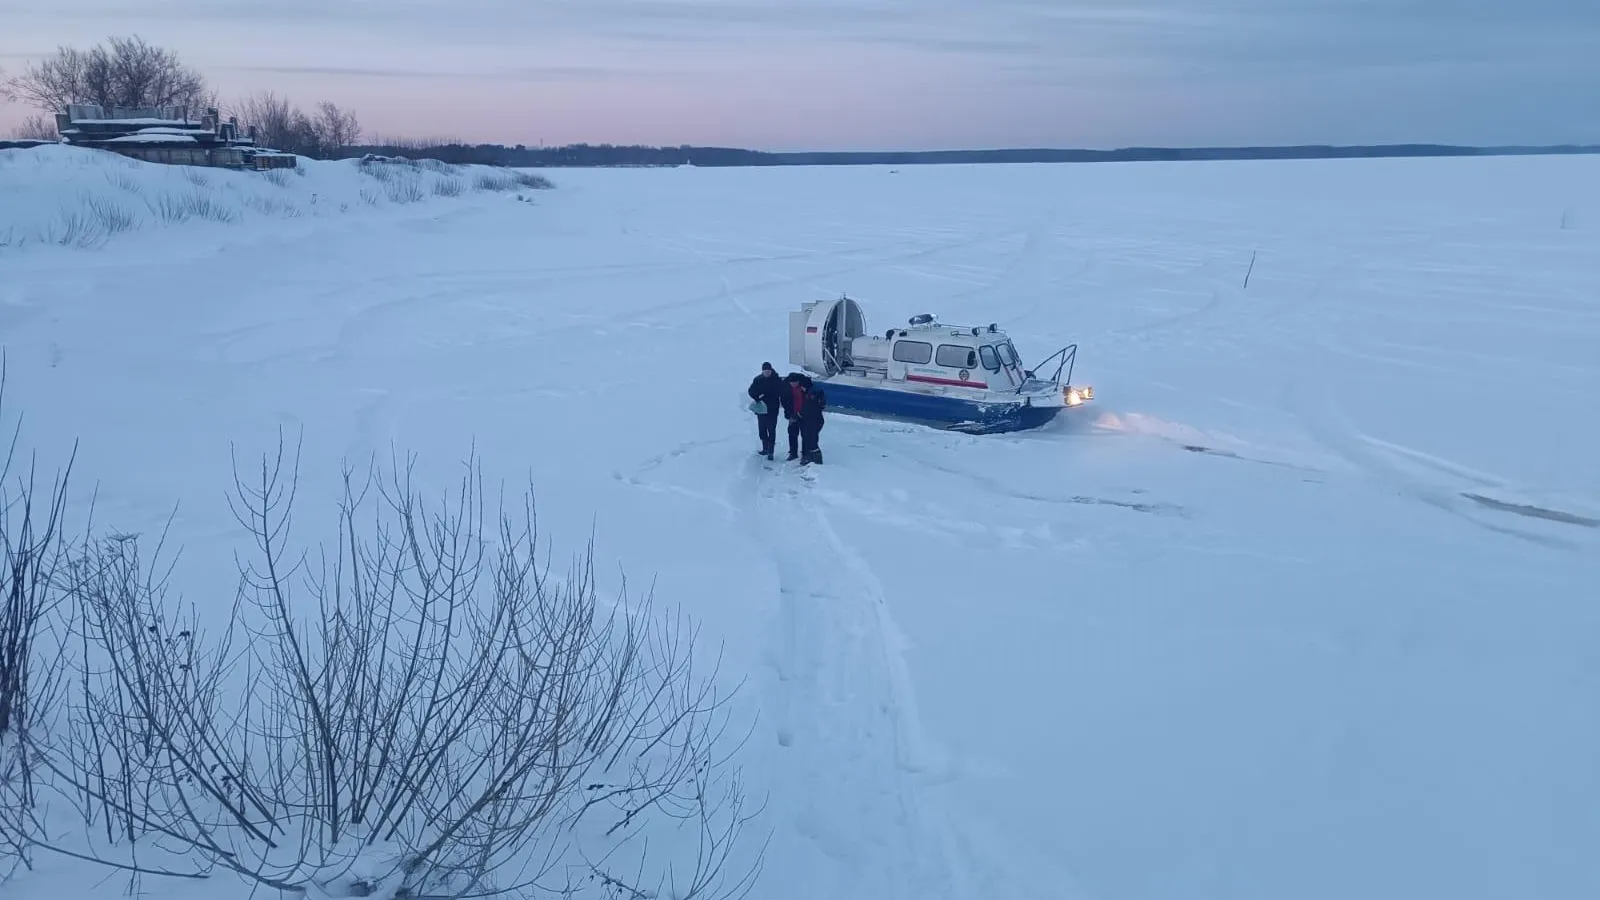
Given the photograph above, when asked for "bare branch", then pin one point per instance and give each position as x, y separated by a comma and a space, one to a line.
125, 71
31, 547
418, 708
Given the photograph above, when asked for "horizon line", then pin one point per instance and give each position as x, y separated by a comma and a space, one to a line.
397, 141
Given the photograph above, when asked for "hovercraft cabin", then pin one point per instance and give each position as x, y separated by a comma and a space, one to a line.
168, 135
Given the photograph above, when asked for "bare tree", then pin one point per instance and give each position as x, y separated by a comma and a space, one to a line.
125, 71
336, 128
279, 124
269, 113
415, 714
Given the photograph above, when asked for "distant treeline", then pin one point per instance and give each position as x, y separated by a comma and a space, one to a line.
614, 155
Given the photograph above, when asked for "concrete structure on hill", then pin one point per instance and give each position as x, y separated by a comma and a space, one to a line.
168, 135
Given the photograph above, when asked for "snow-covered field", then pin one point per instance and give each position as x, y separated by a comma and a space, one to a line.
1306, 604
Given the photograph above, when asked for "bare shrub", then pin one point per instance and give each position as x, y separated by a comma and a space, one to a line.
507, 181
535, 182
380, 171
110, 216
369, 197
36, 128
74, 228
277, 177
31, 541
171, 209
492, 181
448, 187
273, 206
405, 190
124, 180
196, 177
176, 209
415, 714
208, 208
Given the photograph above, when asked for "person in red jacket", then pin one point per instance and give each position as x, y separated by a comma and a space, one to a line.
803, 403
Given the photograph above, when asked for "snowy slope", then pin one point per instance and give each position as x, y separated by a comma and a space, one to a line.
1302, 606
75, 198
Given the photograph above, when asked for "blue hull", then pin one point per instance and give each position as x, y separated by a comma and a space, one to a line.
948, 413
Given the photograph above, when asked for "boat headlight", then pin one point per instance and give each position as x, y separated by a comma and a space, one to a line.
1073, 397
1087, 391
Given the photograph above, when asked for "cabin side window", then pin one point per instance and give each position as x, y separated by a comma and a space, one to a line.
916, 353
991, 360
955, 356
1006, 355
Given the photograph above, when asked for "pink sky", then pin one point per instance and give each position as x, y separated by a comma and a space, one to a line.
882, 74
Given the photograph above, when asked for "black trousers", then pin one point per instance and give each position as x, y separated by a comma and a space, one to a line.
809, 433
794, 438
767, 428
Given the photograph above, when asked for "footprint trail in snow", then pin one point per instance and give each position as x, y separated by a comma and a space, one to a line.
846, 726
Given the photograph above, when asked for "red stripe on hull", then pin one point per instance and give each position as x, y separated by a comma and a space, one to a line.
929, 379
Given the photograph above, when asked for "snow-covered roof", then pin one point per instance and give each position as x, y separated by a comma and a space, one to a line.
171, 122
152, 139
163, 129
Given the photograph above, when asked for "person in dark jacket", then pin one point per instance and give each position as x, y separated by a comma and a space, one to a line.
792, 399
767, 388
811, 424
803, 404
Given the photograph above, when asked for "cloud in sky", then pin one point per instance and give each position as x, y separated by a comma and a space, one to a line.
891, 73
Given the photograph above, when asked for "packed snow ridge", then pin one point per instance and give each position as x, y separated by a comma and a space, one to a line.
60, 195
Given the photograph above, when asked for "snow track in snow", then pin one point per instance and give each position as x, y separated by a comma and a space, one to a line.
847, 726
1450, 487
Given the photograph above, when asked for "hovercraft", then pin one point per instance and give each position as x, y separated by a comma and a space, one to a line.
952, 377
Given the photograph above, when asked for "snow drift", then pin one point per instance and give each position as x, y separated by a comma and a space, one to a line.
57, 194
